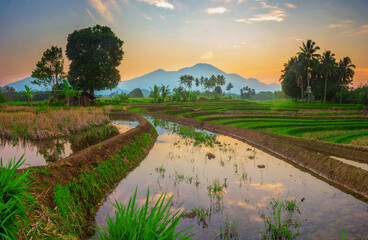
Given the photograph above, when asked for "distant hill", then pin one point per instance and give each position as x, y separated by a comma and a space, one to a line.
171, 78
19, 86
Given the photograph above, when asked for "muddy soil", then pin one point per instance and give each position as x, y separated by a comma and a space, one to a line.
348, 178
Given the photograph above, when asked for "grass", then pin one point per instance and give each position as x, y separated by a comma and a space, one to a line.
80, 197
201, 213
49, 124
215, 189
229, 230
280, 223
147, 223
13, 197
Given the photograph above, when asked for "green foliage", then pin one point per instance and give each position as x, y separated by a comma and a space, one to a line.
29, 93
157, 222
13, 195
2, 98
247, 92
89, 188
123, 97
201, 213
229, 230
49, 69
136, 93
69, 91
216, 189
155, 93
280, 224
95, 53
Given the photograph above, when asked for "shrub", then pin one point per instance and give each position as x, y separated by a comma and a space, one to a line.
123, 97
13, 195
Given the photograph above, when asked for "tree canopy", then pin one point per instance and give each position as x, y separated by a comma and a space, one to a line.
50, 69
95, 53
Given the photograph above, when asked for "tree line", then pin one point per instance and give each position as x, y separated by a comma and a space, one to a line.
309, 75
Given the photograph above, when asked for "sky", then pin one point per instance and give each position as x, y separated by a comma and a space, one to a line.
252, 38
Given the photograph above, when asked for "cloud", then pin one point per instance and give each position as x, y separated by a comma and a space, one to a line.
290, 5
147, 17
159, 3
162, 17
356, 31
218, 10
207, 55
230, 1
341, 24
277, 15
93, 18
265, 5
103, 8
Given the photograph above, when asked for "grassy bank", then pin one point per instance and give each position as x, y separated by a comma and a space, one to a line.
67, 202
49, 123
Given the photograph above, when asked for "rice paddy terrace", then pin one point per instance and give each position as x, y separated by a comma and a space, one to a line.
345, 123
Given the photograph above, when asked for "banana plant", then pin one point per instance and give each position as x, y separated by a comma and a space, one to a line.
69, 91
28, 92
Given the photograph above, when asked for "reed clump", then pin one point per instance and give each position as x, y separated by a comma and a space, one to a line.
49, 124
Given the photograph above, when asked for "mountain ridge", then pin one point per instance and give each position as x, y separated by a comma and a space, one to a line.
171, 78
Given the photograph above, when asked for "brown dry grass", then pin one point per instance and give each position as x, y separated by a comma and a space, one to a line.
49, 124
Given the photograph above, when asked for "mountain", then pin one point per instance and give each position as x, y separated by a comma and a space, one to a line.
19, 86
171, 78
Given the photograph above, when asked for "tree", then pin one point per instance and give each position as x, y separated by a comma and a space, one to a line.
136, 93
346, 74
308, 50
95, 53
197, 82
229, 86
155, 93
49, 69
247, 92
328, 68
210, 83
2, 98
220, 80
186, 80
69, 91
165, 91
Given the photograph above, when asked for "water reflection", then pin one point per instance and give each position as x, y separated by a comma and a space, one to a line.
176, 166
38, 153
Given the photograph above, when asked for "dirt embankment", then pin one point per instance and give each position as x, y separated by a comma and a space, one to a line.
46, 178
349, 178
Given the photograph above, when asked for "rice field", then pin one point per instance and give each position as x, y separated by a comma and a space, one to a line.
336, 123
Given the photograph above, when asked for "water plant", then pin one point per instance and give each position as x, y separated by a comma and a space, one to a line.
146, 223
161, 170
215, 189
229, 230
13, 196
281, 224
201, 213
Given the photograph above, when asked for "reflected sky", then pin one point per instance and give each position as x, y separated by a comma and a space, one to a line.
175, 166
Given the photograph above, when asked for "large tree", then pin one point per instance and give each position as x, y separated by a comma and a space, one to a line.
95, 53
308, 51
50, 69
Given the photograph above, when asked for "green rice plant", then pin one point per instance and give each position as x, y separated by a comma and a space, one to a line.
161, 170
13, 196
280, 224
157, 222
201, 213
229, 230
216, 189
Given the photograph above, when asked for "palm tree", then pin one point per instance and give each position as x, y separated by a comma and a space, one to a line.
197, 82
328, 68
308, 50
229, 87
346, 74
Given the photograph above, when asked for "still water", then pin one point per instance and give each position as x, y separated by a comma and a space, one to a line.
184, 171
